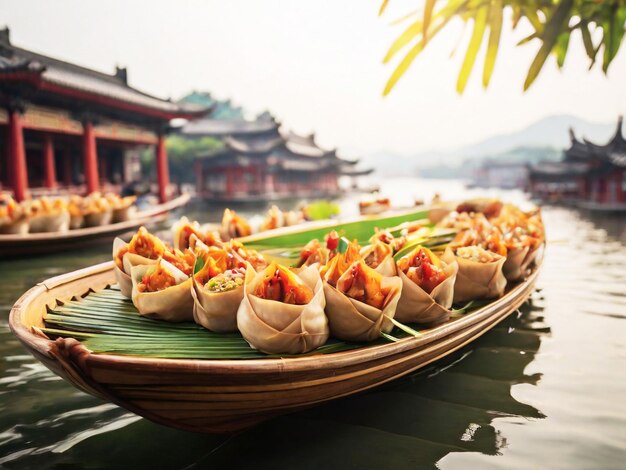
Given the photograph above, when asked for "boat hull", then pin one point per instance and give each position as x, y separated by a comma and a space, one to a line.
229, 395
52, 242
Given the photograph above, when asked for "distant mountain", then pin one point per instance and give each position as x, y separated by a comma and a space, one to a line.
548, 133
552, 131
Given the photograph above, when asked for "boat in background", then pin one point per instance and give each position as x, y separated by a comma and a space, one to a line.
52, 242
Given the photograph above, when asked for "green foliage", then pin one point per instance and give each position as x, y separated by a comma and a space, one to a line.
322, 210
181, 154
553, 23
107, 322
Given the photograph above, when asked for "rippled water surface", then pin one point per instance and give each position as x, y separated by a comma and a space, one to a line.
544, 389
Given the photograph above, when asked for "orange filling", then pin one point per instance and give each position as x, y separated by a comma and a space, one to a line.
216, 261
157, 280
363, 284
282, 285
377, 254
183, 260
341, 262
234, 225
143, 244
423, 268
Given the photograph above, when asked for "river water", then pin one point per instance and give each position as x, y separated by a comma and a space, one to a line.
544, 389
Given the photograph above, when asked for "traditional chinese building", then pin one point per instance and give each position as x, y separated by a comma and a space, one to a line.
261, 160
63, 126
590, 175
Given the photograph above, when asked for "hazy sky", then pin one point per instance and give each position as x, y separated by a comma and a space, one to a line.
317, 65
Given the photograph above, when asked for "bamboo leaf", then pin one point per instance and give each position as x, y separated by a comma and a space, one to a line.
480, 22
561, 48
613, 34
410, 33
589, 48
383, 7
428, 13
527, 39
495, 29
405, 328
549, 37
408, 59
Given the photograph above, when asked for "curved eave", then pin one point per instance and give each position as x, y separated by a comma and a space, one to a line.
35, 79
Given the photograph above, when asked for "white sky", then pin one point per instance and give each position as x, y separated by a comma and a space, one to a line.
317, 65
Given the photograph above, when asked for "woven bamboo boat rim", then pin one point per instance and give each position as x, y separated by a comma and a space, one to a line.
66, 283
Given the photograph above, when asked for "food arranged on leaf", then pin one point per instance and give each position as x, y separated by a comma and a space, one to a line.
427, 287
282, 285
410, 273
362, 283
234, 226
58, 214
373, 206
423, 267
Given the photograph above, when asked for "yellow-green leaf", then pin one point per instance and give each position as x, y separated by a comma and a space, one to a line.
554, 26
480, 23
589, 47
408, 59
383, 6
428, 13
410, 33
495, 29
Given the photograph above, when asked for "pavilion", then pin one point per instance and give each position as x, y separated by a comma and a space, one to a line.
70, 128
590, 175
263, 161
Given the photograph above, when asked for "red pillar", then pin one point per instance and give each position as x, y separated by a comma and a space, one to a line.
91, 158
48, 155
67, 167
17, 156
163, 172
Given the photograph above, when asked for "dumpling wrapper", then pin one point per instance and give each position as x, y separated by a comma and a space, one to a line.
177, 232
173, 304
128, 261
57, 220
279, 328
476, 280
97, 219
516, 263
387, 266
216, 311
353, 320
418, 306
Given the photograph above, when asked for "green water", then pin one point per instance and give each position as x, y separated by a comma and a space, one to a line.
544, 389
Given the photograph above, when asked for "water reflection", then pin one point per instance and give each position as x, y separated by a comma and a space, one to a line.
479, 403
444, 409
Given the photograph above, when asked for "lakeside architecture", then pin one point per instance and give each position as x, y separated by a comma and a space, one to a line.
63, 126
591, 175
260, 159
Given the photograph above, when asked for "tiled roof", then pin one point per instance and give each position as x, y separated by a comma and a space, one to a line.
74, 77
223, 128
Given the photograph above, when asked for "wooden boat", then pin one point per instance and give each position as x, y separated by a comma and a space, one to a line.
52, 242
229, 395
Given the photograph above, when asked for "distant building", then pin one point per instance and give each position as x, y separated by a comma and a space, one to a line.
261, 160
590, 175
505, 175
63, 126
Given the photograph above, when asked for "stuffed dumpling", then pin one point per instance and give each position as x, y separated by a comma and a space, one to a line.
143, 248
480, 273
162, 291
427, 287
217, 288
283, 312
361, 302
